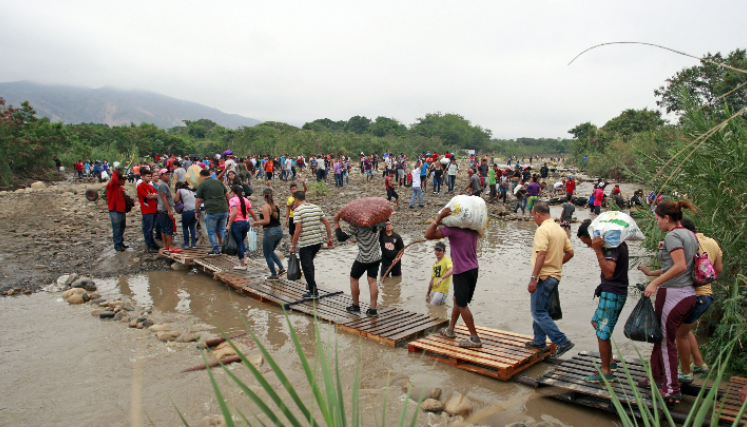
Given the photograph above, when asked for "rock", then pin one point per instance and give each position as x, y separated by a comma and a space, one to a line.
98, 301
85, 283
125, 318
128, 308
40, 267
28, 292
407, 386
10, 292
95, 295
136, 260
179, 267
107, 315
76, 299
70, 292
162, 327
133, 323
432, 405
38, 185
119, 315
458, 405
139, 326
62, 283
166, 336
86, 297
257, 360
190, 337
147, 323
223, 350
435, 394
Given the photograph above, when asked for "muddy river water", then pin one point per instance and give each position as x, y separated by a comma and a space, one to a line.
62, 367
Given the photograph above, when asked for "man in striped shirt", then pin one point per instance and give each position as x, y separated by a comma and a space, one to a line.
367, 261
308, 238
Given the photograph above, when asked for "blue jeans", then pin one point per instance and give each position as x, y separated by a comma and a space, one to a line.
543, 325
216, 223
437, 183
450, 181
347, 176
338, 179
148, 223
119, 222
189, 227
417, 192
239, 230
521, 204
270, 242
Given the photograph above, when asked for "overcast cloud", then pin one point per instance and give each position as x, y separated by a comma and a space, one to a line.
500, 64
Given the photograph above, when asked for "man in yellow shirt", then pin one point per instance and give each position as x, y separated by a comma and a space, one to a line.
552, 249
290, 205
438, 287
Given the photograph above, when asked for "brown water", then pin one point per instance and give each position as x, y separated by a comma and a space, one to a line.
61, 367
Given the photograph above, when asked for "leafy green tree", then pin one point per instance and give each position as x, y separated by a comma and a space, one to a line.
632, 121
358, 124
325, 125
383, 126
454, 130
705, 83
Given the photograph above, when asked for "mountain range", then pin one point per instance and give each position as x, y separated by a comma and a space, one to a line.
115, 107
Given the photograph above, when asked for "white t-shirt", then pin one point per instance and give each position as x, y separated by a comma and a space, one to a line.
320, 164
558, 185
230, 165
288, 164
415, 178
518, 187
452, 169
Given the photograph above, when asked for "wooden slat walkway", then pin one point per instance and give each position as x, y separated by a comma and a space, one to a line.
570, 376
501, 356
392, 326
730, 403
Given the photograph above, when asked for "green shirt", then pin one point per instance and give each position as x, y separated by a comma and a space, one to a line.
491, 177
213, 194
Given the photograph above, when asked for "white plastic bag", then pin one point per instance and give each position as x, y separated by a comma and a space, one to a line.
104, 176
252, 237
615, 227
467, 212
444, 161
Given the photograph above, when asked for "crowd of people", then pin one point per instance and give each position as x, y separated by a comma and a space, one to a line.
212, 196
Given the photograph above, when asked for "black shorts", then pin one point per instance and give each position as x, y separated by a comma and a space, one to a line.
396, 270
268, 175
390, 194
291, 226
372, 268
464, 286
166, 223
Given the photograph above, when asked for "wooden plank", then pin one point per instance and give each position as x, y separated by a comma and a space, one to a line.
461, 354
407, 332
501, 352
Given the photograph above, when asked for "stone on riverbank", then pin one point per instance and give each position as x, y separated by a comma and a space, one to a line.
38, 185
167, 336
97, 312
107, 315
179, 267
435, 393
431, 405
62, 283
458, 405
84, 283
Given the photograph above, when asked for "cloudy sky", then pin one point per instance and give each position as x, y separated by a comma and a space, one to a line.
501, 64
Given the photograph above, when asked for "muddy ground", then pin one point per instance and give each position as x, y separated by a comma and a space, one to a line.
55, 230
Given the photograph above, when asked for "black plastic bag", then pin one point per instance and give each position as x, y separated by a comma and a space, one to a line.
643, 325
229, 245
294, 269
555, 312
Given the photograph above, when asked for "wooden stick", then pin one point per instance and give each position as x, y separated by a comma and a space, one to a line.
215, 341
213, 364
399, 254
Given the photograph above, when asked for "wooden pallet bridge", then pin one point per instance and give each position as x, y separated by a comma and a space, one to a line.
392, 326
570, 376
730, 403
501, 356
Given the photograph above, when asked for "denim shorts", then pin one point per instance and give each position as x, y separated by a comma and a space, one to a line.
702, 304
608, 312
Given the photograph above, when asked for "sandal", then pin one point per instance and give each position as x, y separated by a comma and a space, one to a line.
446, 334
468, 343
671, 399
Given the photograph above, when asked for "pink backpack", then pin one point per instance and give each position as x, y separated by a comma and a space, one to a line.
703, 271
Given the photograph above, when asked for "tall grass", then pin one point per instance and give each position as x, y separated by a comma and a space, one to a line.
333, 404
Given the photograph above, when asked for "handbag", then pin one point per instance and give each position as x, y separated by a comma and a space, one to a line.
703, 271
643, 325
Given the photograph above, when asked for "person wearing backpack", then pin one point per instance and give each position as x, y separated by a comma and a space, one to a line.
675, 294
687, 344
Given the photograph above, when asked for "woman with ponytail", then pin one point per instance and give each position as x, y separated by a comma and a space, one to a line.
273, 233
675, 294
239, 207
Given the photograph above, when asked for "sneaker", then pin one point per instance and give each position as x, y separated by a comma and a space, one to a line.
119, 249
684, 378
213, 253
562, 349
412, 207
599, 378
125, 246
371, 312
314, 296
353, 309
613, 367
282, 271
175, 250
271, 278
700, 369
152, 250
532, 344
239, 267
185, 246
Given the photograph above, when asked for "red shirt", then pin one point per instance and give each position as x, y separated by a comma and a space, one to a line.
147, 206
170, 164
115, 198
79, 166
570, 186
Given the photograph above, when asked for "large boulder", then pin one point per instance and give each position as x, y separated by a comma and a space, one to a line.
38, 185
72, 292
458, 405
432, 405
62, 283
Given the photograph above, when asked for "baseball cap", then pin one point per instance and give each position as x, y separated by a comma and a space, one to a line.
570, 176
440, 245
163, 171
